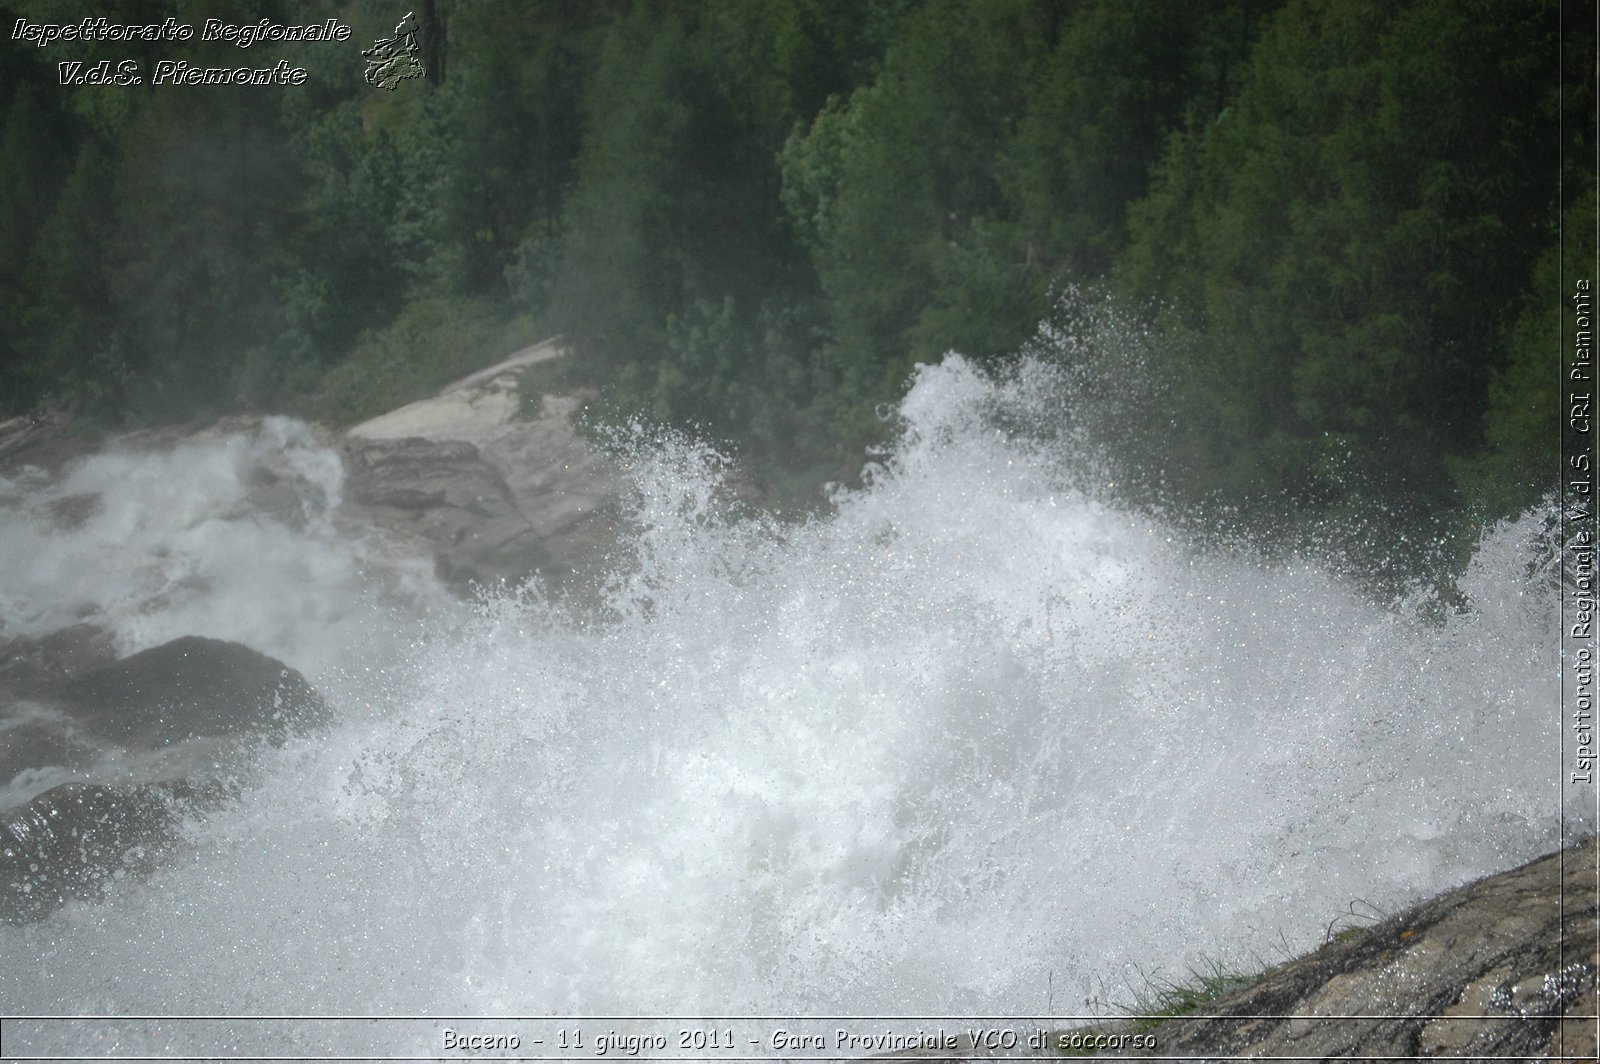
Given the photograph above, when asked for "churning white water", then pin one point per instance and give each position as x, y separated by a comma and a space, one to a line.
973, 741
234, 537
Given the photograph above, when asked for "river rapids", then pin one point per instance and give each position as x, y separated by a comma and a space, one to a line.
976, 740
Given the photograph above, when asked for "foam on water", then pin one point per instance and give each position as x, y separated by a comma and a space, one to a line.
233, 538
974, 735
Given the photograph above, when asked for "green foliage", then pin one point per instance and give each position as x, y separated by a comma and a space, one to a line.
431, 342
1519, 464
78, 343
514, 135
895, 192
624, 266
812, 165
32, 143
1121, 77
1337, 215
1346, 238
197, 238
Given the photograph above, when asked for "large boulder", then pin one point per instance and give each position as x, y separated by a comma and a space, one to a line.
189, 687
77, 715
69, 709
34, 738
33, 735
445, 493
494, 479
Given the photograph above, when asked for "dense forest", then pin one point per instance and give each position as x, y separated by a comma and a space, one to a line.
1337, 223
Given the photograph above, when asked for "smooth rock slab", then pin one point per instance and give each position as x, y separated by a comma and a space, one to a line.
1501, 968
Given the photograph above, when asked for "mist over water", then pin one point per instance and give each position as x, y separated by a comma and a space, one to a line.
975, 739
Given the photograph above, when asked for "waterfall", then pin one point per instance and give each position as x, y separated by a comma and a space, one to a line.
976, 735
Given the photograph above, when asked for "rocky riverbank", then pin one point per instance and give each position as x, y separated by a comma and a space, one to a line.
1500, 969
103, 751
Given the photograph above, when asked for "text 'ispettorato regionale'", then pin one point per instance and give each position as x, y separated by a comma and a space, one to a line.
177, 72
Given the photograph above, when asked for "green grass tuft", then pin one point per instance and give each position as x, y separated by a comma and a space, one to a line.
1161, 1000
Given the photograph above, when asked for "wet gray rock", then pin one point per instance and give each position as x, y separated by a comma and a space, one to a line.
33, 735
81, 714
192, 686
1503, 968
46, 440
28, 742
73, 842
497, 487
71, 512
67, 705
446, 493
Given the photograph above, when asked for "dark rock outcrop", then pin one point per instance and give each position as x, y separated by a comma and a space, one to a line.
37, 736
192, 686
1503, 968
38, 743
76, 840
